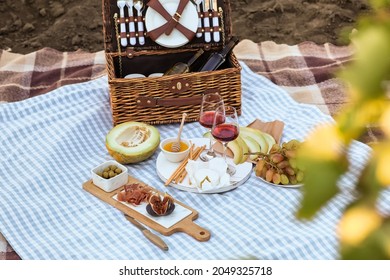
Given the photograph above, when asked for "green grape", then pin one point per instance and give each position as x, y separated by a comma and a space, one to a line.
274, 149
294, 144
293, 163
284, 179
269, 174
276, 178
293, 179
300, 175
283, 164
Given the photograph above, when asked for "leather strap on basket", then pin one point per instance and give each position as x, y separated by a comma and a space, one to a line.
150, 102
172, 21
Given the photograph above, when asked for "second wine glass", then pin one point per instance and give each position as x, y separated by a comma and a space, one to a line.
225, 129
210, 102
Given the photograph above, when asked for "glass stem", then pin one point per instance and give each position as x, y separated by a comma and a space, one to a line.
224, 144
211, 150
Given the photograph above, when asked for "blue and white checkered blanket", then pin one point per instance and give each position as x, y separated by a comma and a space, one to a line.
49, 144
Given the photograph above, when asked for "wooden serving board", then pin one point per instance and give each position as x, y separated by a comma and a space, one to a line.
184, 224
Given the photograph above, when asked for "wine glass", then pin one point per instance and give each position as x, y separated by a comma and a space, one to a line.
225, 129
210, 102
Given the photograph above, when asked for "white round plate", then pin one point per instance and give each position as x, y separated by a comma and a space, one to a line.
189, 19
165, 169
283, 186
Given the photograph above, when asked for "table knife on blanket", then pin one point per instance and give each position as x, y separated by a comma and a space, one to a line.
156, 240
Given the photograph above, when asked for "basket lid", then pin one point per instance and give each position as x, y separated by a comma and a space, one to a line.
169, 25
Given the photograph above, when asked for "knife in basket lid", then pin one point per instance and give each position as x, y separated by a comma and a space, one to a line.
216, 35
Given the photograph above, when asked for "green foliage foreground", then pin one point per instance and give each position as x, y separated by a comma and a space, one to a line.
363, 231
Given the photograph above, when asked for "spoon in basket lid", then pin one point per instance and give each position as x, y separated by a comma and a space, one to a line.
176, 145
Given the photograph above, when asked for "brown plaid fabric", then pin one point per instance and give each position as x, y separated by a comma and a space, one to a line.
306, 71
24, 76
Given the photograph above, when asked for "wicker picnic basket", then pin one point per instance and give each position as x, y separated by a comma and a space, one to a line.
161, 100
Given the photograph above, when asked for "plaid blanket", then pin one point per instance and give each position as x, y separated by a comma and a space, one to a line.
24, 76
306, 71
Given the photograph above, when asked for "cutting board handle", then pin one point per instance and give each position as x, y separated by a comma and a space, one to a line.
188, 226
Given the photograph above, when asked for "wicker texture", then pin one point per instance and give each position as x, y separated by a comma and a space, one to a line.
124, 92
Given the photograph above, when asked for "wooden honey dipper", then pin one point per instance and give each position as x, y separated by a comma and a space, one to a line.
176, 145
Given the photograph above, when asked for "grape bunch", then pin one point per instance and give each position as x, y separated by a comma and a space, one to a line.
279, 166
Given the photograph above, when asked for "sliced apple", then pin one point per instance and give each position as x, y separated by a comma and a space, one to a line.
255, 135
269, 139
253, 146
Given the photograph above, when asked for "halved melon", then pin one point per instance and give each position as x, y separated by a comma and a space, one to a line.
132, 142
253, 146
269, 139
255, 135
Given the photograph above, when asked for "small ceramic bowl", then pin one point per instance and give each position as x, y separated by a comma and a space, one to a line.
130, 76
172, 156
156, 75
111, 184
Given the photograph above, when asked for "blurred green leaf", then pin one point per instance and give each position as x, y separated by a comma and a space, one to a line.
320, 184
368, 185
375, 247
372, 66
379, 4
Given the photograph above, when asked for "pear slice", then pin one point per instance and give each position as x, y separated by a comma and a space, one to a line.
207, 134
253, 146
256, 135
245, 149
269, 139
237, 150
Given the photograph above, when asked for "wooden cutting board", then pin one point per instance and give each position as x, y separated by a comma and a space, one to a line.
181, 219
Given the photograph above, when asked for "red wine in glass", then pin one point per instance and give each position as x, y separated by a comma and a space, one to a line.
225, 132
210, 102
207, 119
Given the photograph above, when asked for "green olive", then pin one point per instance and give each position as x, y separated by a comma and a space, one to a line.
105, 174
99, 174
118, 171
113, 167
106, 169
111, 174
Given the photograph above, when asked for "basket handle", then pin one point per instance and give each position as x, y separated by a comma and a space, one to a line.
151, 102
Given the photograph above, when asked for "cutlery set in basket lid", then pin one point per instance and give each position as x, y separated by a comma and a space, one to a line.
144, 39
